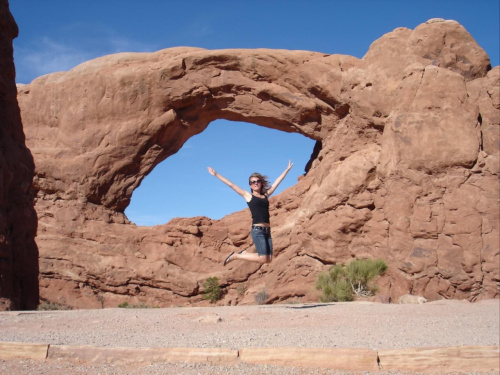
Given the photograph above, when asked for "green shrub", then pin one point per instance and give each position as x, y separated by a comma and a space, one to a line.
342, 282
361, 272
211, 289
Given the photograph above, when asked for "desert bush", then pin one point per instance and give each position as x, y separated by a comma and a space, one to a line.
361, 272
126, 305
342, 282
334, 286
261, 297
241, 289
47, 305
211, 289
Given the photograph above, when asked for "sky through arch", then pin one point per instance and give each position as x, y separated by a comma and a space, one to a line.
181, 186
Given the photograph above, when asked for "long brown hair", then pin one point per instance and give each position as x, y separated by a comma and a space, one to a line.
264, 186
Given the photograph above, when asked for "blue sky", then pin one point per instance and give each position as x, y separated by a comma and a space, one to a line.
56, 35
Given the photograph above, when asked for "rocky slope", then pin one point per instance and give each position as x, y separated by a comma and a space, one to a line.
405, 168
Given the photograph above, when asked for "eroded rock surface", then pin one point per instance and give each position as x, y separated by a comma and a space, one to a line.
406, 169
18, 222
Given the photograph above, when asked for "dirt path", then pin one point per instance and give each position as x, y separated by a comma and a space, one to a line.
338, 325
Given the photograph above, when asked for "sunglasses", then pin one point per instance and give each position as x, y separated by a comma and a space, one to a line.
255, 182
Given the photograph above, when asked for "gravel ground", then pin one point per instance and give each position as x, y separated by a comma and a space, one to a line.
68, 367
337, 325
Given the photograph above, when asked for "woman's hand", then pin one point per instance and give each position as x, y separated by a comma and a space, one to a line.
279, 179
245, 194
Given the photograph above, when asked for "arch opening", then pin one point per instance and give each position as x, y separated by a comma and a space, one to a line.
180, 186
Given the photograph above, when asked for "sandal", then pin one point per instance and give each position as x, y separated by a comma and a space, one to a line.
228, 257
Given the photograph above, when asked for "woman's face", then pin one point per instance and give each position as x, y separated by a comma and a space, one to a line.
255, 184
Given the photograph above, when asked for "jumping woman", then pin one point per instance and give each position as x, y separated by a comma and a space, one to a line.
258, 202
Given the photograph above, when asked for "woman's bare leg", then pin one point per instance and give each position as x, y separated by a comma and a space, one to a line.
252, 257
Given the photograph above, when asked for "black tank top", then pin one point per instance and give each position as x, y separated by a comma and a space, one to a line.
259, 207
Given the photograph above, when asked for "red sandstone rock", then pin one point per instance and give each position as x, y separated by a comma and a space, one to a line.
18, 251
405, 169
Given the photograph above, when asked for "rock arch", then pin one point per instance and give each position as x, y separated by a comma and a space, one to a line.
400, 144
132, 111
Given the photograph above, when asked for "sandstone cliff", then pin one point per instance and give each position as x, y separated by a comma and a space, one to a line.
406, 169
18, 222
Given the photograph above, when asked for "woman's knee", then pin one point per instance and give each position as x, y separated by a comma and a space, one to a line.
263, 259
266, 259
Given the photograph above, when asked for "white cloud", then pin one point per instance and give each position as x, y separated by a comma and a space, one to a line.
47, 55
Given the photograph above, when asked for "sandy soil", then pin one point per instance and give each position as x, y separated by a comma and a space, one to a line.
337, 325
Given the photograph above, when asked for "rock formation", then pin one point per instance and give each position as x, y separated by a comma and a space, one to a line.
18, 222
405, 168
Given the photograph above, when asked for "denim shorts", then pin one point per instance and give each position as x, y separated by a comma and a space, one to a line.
261, 237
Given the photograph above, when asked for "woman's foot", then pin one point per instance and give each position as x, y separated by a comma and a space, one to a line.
228, 259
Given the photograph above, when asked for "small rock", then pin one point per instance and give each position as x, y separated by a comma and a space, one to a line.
409, 298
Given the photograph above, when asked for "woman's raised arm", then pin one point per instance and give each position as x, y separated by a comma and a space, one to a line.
245, 194
276, 183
